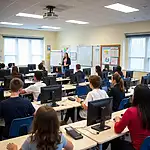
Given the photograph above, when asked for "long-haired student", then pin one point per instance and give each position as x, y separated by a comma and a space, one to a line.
117, 91
45, 134
137, 119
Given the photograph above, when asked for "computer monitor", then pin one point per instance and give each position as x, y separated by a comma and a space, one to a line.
87, 71
32, 66
145, 80
107, 67
50, 80
24, 70
7, 80
72, 79
129, 74
51, 94
105, 75
69, 72
127, 84
98, 112
5, 72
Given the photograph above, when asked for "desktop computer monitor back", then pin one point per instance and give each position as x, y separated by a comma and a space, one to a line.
129, 74
32, 66
24, 70
114, 69
5, 72
50, 80
51, 94
87, 71
99, 110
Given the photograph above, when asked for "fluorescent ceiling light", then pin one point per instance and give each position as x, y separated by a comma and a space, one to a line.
122, 8
77, 22
10, 23
50, 27
29, 15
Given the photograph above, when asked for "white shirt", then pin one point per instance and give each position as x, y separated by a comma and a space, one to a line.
35, 89
96, 94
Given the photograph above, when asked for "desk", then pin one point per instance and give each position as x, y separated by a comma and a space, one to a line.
102, 137
130, 92
82, 144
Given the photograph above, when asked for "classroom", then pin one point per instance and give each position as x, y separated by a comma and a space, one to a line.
74, 75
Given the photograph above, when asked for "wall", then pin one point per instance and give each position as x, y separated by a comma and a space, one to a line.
113, 34
49, 38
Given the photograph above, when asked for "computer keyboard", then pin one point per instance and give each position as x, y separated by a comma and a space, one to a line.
71, 99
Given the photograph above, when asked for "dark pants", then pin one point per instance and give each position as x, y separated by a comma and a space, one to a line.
70, 114
119, 144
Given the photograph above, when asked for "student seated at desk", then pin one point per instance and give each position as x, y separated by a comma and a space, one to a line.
119, 71
117, 91
36, 88
79, 75
136, 118
45, 134
95, 94
14, 107
16, 74
98, 71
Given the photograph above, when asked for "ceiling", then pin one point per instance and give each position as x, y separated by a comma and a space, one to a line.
92, 11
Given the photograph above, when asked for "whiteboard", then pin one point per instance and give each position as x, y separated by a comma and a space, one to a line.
85, 55
56, 58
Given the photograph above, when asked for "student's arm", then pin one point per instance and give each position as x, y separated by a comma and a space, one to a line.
110, 93
84, 104
69, 145
121, 124
29, 89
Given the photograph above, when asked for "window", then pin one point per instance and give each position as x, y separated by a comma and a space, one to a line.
139, 53
23, 51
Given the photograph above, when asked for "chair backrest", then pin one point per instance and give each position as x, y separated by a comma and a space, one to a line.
123, 103
82, 90
146, 144
20, 126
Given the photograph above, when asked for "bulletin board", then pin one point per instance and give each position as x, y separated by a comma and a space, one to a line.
110, 55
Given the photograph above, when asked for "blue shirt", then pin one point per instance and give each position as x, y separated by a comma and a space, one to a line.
13, 108
28, 145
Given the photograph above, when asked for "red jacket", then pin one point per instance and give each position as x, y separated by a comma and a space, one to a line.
132, 120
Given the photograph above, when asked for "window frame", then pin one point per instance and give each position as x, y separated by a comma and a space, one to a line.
29, 50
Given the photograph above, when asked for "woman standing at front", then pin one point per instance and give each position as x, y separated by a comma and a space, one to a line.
66, 62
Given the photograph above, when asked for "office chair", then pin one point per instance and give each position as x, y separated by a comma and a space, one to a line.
146, 144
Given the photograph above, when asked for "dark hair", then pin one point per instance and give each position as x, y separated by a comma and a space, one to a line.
78, 66
2, 65
119, 81
16, 84
141, 100
38, 75
95, 81
15, 71
67, 55
118, 69
98, 70
40, 66
45, 130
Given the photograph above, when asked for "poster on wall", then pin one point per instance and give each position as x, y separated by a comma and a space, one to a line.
110, 54
106, 55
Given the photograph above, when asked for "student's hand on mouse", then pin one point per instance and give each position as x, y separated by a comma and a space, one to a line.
117, 119
78, 100
12, 146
